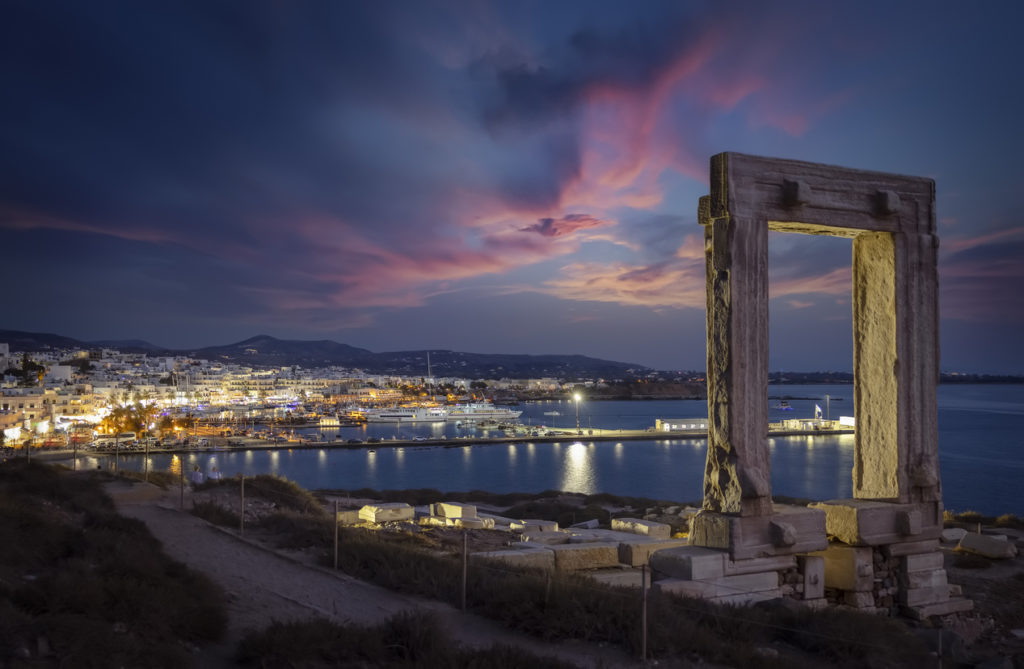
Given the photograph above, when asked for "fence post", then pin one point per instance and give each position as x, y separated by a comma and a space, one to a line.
181, 481
241, 513
465, 565
643, 613
147, 461
335, 535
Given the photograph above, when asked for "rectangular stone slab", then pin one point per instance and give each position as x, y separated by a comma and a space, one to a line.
645, 527
575, 557
454, 510
693, 563
638, 553
386, 512
862, 522
789, 530
531, 558
534, 525
724, 586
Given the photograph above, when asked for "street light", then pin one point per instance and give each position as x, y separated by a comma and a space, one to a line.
577, 398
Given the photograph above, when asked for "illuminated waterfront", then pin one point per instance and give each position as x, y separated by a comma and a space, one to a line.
981, 431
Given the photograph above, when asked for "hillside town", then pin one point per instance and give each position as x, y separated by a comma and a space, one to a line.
65, 397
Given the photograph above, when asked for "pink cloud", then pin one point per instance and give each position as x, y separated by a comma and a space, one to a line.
21, 219
838, 281
965, 243
675, 283
566, 225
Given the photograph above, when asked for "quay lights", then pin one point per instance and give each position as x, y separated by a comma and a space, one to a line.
577, 398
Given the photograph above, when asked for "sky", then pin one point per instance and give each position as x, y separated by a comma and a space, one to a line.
484, 176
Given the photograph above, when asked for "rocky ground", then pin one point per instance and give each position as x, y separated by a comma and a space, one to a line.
266, 583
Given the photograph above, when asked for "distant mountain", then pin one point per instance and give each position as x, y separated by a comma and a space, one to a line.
38, 341
270, 351
264, 350
497, 365
127, 345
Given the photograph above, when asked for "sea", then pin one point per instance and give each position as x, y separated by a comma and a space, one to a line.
981, 452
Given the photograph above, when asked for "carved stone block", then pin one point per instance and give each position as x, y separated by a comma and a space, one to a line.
862, 522
693, 563
812, 568
848, 567
635, 553
574, 557
787, 531
644, 527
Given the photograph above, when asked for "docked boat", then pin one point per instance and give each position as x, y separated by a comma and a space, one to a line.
481, 411
407, 415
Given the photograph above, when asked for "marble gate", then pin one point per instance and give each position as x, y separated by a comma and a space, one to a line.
884, 551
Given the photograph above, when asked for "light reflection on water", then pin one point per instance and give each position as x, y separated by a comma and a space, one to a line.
981, 448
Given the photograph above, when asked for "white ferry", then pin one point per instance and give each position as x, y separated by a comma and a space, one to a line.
407, 415
481, 411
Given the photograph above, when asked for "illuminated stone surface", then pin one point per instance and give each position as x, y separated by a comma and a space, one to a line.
891, 219
645, 527
386, 512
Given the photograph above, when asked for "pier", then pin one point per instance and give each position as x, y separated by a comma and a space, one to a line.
221, 444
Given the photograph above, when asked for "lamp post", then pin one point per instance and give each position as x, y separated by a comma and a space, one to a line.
577, 398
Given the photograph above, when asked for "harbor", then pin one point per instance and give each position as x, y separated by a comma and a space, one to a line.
979, 437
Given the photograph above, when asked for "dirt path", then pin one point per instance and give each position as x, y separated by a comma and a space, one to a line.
264, 586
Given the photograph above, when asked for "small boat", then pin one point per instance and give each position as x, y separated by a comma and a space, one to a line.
552, 413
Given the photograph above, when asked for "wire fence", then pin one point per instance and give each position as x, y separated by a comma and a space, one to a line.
634, 604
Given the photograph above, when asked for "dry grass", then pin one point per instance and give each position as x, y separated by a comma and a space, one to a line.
410, 640
87, 586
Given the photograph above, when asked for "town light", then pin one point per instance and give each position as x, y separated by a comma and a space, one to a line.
576, 397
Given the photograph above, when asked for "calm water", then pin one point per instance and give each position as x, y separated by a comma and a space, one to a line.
981, 450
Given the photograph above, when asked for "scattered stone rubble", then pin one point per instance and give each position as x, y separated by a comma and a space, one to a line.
540, 544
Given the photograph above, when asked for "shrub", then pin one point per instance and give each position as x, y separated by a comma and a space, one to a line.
93, 572
216, 514
284, 493
406, 640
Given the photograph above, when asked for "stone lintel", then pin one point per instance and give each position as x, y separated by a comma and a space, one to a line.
797, 196
745, 537
863, 522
